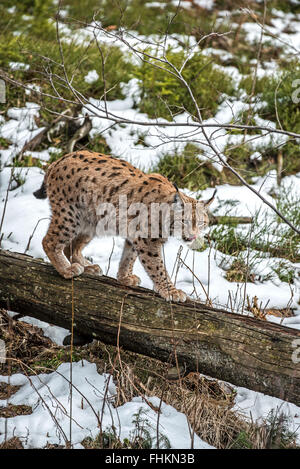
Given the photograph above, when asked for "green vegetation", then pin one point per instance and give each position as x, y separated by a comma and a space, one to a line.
163, 95
246, 84
35, 45
28, 161
238, 156
138, 15
4, 144
139, 438
270, 239
54, 360
280, 91
78, 61
187, 170
280, 95
284, 271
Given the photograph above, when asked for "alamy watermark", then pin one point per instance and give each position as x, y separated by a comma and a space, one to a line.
2, 92
154, 220
2, 351
296, 352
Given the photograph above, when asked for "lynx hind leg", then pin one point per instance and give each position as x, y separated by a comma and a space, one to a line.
149, 252
54, 244
128, 259
74, 252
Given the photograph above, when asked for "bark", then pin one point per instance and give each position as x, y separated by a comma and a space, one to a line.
244, 351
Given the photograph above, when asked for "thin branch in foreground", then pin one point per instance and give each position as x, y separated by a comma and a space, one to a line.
165, 65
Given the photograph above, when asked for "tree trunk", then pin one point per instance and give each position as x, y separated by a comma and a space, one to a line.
244, 351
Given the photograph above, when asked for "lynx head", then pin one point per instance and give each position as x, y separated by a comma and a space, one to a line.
190, 218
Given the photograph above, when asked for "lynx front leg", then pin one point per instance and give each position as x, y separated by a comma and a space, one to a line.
149, 252
54, 244
73, 252
128, 258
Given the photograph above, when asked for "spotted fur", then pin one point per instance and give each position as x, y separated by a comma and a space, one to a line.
76, 185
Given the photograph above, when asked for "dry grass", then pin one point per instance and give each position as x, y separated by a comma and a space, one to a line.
207, 404
13, 443
14, 410
24, 342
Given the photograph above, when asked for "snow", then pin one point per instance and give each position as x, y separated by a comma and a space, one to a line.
154, 43
155, 5
207, 4
32, 87
55, 333
92, 401
19, 129
276, 34
91, 77
257, 406
18, 66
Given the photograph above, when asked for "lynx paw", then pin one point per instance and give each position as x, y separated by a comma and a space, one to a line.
172, 294
130, 280
73, 271
93, 269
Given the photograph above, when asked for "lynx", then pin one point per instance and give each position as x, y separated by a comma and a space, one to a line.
80, 184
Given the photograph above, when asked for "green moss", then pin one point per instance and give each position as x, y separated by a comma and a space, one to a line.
79, 61
187, 169
283, 87
164, 95
283, 5
55, 157
242, 441
30, 17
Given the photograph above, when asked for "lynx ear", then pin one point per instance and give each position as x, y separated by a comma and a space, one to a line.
209, 201
177, 202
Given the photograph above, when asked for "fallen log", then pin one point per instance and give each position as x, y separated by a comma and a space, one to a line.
229, 220
242, 350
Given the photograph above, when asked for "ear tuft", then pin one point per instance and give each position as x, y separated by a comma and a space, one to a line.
209, 201
177, 202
